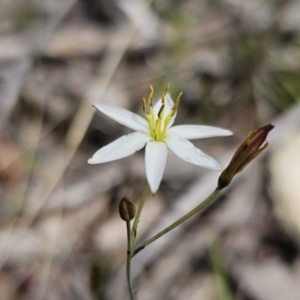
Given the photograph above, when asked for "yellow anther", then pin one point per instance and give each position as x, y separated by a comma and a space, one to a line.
165, 93
144, 105
150, 98
178, 98
161, 112
175, 106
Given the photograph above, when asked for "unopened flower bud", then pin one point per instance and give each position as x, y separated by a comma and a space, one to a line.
126, 209
254, 144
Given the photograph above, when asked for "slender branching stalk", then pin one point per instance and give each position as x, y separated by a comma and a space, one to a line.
195, 210
131, 236
128, 262
138, 213
131, 232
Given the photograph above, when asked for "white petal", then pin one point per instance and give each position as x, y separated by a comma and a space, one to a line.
156, 158
123, 116
189, 153
122, 147
198, 131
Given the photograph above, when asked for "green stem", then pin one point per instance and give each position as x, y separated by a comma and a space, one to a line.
131, 235
128, 263
203, 204
138, 213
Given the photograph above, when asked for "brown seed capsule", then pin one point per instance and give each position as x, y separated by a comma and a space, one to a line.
254, 144
126, 209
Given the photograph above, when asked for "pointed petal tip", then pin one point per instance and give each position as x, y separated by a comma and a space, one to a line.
218, 168
91, 161
223, 132
153, 189
215, 165
229, 132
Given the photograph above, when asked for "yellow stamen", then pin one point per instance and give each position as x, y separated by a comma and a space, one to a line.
152, 116
157, 129
175, 106
161, 111
165, 93
171, 114
158, 123
144, 105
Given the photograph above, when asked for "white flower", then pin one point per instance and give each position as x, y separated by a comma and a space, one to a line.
157, 134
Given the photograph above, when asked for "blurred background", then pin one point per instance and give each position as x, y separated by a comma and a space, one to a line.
237, 63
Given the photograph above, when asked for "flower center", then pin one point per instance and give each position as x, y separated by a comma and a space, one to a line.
159, 123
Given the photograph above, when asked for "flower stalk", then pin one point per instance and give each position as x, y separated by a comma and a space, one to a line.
184, 218
127, 212
138, 214
128, 263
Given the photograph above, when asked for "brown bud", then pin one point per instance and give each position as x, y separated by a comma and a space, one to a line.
126, 209
254, 144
